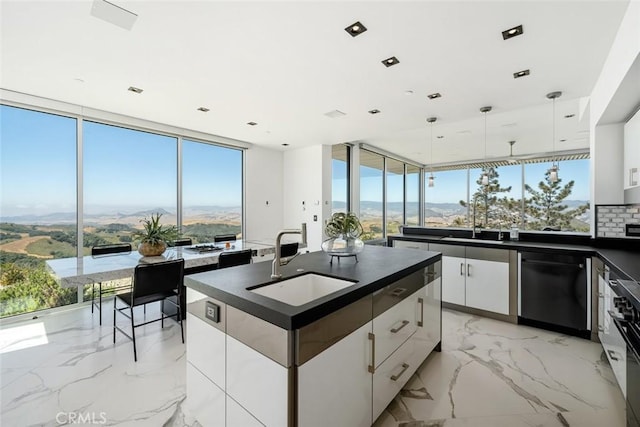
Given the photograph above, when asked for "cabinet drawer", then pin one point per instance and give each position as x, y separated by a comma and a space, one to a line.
206, 349
393, 327
616, 350
392, 375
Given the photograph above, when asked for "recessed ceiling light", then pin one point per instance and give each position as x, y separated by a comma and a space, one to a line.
519, 74
408, 92
440, 136
335, 114
251, 123
563, 140
135, 89
374, 111
203, 109
356, 29
390, 61
512, 32
285, 145
434, 95
568, 116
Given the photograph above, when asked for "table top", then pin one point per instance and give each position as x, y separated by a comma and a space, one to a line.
72, 272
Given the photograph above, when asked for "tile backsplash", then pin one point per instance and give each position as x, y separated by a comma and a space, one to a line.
611, 219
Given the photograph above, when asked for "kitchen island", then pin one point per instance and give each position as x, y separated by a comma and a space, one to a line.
336, 359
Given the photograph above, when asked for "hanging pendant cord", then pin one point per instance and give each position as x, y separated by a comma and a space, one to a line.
431, 148
554, 131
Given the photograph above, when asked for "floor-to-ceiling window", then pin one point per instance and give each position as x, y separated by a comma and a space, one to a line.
211, 191
412, 198
371, 194
37, 207
340, 178
561, 205
126, 175
445, 204
395, 195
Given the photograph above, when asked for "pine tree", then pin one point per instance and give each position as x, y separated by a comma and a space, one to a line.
545, 205
490, 210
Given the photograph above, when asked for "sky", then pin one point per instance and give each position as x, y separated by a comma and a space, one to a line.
451, 186
126, 169
123, 168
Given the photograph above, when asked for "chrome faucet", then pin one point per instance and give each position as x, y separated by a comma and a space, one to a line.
278, 261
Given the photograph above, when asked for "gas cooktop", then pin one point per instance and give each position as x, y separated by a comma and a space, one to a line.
204, 248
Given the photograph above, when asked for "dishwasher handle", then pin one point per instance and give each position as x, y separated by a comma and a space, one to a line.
564, 264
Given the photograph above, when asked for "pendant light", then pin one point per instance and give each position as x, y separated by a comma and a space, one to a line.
431, 120
485, 177
553, 171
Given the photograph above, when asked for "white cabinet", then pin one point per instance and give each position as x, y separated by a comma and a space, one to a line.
258, 383
334, 387
206, 349
454, 274
237, 416
612, 341
393, 327
429, 317
475, 277
487, 286
632, 152
205, 400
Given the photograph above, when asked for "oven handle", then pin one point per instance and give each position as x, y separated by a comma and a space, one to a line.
630, 347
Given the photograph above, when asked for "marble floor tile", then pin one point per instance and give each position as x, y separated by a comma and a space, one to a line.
489, 373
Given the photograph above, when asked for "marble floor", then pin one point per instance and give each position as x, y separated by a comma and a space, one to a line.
64, 369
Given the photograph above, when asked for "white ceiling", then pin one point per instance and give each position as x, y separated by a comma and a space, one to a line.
285, 64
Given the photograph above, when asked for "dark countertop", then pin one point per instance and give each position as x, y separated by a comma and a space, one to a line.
625, 261
376, 268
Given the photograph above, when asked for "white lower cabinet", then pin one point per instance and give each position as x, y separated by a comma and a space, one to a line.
206, 349
393, 327
205, 400
258, 383
334, 387
392, 374
454, 289
429, 315
487, 285
237, 416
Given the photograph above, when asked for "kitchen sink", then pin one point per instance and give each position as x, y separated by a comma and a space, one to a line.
301, 289
467, 240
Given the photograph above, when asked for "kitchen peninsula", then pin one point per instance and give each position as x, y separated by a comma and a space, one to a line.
334, 359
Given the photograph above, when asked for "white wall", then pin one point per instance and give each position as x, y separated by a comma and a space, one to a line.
263, 193
307, 191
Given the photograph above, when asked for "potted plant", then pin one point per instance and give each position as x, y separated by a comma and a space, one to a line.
154, 236
344, 230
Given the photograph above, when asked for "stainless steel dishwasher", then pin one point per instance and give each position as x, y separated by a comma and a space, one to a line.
554, 293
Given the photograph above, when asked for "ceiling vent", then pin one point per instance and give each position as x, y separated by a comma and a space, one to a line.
135, 89
335, 114
519, 74
113, 14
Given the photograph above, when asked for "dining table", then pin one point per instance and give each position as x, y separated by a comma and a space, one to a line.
80, 271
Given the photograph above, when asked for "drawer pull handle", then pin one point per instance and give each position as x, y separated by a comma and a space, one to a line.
421, 321
468, 269
398, 291
372, 368
396, 330
612, 355
600, 329
462, 268
396, 377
